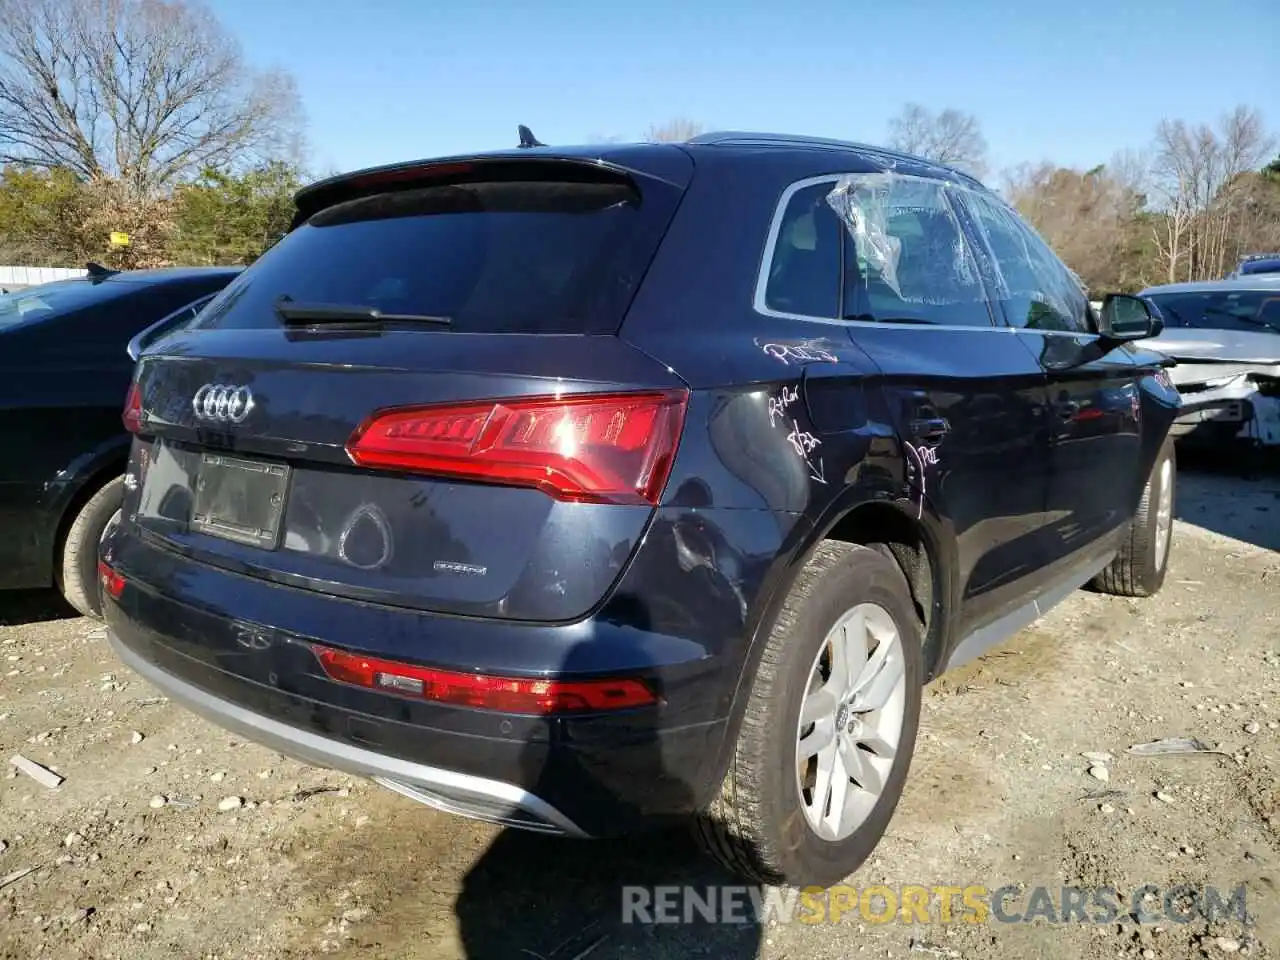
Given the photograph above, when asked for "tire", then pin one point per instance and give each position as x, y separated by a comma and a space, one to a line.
78, 569
758, 826
1138, 569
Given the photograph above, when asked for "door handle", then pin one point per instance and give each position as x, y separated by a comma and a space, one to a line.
933, 428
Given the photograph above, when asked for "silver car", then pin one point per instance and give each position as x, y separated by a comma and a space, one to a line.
1225, 337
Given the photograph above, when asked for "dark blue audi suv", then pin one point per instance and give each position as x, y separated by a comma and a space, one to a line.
580, 490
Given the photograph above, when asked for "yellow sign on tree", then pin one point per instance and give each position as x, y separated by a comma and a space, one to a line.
119, 239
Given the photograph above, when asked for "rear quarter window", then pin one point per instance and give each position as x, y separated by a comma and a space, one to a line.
804, 272
527, 256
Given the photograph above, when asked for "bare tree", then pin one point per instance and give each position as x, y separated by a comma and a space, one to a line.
145, 91
678, 130
1175, 174
951, 137
1198, 174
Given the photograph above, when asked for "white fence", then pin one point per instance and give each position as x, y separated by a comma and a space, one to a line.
14, 278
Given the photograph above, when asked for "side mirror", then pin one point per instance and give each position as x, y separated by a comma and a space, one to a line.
1125, 317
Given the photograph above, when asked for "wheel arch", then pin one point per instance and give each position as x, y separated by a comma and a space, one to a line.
914, 540
92, 477
908, 541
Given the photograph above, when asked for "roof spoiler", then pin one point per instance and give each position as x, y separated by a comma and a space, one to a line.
316, 197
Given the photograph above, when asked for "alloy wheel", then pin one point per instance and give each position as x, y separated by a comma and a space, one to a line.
851, 721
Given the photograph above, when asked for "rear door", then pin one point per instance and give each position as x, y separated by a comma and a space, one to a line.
968, 399
471, 437
1094, 401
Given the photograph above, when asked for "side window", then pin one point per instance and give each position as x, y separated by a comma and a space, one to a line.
804, 271
1037, 290
908, 259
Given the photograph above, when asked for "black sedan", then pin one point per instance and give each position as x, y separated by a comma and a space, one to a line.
64, 372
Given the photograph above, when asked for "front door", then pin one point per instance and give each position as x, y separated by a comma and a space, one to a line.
1094, 403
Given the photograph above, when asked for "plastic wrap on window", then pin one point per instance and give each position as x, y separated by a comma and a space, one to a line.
1010, 257
988, 266
987, 263
861, 202
1039, 278
869, 205
962, 258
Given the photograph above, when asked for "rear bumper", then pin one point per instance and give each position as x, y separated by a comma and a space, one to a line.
238, 651
447, 790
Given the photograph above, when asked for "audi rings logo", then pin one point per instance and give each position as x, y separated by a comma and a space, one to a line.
226, 404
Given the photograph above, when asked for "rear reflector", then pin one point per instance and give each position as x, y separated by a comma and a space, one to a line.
133, 409
507, 694
600, 448
112, 582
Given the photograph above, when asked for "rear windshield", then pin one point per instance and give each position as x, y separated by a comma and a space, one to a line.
1239, 310
502, 257
33, 304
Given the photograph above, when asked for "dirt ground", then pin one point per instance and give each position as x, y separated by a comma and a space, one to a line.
133, 857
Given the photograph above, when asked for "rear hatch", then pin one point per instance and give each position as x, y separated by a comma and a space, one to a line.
418, 396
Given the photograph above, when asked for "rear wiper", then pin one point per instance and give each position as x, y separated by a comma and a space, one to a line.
293, 312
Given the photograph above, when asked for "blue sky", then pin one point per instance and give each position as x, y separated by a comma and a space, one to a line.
388, 80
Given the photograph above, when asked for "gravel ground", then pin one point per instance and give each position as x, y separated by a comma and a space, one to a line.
171, 839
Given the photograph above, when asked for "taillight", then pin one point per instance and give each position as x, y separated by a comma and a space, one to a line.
132, 415
601, 448
507, 694
112, 582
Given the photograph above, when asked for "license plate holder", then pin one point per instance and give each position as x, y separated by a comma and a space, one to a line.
240, 500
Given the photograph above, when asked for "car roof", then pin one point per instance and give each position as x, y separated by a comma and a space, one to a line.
882, 158
166, 275
1261, 282
746, 144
